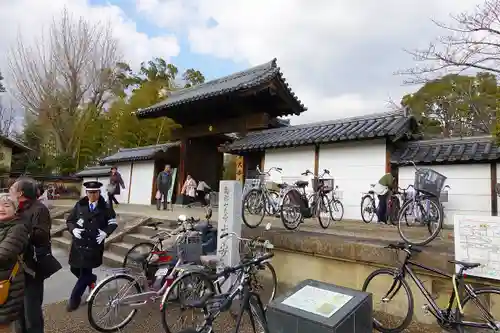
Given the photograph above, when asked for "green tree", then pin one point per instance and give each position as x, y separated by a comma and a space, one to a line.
192, 77
456, 105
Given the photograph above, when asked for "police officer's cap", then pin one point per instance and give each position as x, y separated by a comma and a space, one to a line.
92, 185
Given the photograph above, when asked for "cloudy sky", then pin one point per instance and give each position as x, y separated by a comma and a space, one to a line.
338, 55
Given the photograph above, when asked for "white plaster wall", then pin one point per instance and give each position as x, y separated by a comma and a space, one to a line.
142, 182
124, 169
354, 166
293, 161
470, 188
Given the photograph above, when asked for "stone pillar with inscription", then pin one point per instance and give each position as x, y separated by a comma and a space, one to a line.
229, 222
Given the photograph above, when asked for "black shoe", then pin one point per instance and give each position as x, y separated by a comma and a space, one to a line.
72, 306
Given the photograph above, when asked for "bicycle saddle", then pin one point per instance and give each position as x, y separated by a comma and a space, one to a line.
465, 265
282, 186
201, 226
301, 183
154, 224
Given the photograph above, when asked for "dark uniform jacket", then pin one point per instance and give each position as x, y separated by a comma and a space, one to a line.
37, 218
86, 252
117, 181
164, 182
13, 240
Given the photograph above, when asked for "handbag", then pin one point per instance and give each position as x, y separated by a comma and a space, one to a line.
111, 188
47, 265
158, 195
5, 284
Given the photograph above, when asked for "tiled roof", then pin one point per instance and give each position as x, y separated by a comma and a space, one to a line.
16, 146
389, 124
94, 171
247, 79
452, 150
139, 153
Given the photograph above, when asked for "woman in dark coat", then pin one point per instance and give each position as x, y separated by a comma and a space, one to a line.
13, 240
90, 222
115, 182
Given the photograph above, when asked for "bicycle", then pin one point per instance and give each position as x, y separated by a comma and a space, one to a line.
424, 207
213, 305
144, 290
194, 277
297, 204
260, 200
369, 204
448, 318
146, 256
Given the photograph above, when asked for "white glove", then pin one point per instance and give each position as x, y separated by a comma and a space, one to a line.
80, 222
77, 232
101, 237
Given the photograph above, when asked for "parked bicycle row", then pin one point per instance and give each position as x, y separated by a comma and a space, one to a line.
291, 201
179, 269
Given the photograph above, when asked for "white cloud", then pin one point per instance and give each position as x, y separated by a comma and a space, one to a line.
339, 56
29, 17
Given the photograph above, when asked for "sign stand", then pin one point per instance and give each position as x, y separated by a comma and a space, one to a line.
229, 222
318, 307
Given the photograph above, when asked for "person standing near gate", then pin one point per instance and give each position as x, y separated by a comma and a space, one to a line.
115, 182
163, 184
90, 222
384, 188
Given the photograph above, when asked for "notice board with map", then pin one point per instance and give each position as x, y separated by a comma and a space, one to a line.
477, 239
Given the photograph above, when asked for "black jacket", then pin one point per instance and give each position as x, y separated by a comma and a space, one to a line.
86, 252
38, 221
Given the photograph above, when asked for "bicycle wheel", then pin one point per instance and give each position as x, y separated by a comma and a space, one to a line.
383, 313
431, 219
254, 203
188, 287
368, 207
337, 209
487, 299
112, 302
137, 257
324, 212
257, 313
291, 215
266, 278
394, 211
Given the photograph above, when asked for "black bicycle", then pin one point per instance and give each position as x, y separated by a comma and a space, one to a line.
453, 317
213, 304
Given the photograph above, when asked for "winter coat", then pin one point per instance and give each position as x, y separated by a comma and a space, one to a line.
164, 182
117, 181
86, 252
189, 188
13, 239
38, 221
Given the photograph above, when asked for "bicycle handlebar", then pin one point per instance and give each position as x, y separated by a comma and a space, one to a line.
263, 243
268, 172
230, 270
403, 246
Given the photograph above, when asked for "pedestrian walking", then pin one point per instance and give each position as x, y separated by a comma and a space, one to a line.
38, 259
115, 182
202, 193
188, 191
163, 184
90, 222
13, 239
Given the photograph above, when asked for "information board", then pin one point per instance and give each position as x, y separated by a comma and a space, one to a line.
477, 239
318, 301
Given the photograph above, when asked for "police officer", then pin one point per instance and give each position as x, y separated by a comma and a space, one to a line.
90, 222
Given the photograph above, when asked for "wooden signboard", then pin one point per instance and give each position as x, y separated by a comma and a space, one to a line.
240, 170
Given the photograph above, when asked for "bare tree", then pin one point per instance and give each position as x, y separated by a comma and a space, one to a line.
471, 41
7, 119
69, 70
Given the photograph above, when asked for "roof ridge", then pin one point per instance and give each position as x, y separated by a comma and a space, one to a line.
453, 139
333, 121
146, 147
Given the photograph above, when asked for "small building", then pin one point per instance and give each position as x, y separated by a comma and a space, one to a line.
138, 168
471, 165
9, 147
355, 150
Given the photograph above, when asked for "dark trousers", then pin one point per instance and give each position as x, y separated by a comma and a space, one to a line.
112, 199
382, 208
85, 279
32, 321
158, 201
201, 197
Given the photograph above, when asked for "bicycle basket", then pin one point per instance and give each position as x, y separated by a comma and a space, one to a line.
189, 248
327, 184
429, 181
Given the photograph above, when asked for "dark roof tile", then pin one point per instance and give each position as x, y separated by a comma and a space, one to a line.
139, 153
452, 150
94, 171
247, 79
381, 125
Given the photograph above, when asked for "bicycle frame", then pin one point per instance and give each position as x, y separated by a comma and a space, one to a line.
439, 314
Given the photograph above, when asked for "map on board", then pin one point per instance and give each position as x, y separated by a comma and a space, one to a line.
477, 239
318, 301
